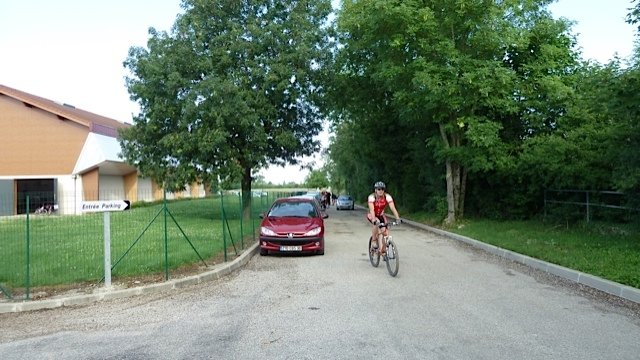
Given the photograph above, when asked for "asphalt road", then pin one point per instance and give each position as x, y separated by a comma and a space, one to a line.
449, 301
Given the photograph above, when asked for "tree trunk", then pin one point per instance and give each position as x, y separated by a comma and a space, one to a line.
463, 192
245, 184
451, 206
456, 177
451, 203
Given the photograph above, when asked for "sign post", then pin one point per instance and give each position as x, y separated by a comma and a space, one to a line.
106, 207
107, 248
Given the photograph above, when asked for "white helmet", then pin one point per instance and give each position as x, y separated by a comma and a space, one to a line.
379, 185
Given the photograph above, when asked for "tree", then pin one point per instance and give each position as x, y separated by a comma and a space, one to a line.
232, 88
317, 179
627, 174
633, 17
625, 142
451, 64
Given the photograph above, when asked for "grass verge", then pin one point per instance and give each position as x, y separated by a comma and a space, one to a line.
66, 249
609, 251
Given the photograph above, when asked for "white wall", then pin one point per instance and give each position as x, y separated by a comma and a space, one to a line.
145, 190
69, 194
111, 187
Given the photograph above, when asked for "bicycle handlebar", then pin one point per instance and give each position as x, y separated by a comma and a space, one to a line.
393, 223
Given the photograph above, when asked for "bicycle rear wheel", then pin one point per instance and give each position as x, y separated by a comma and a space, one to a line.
391, 258
374, 254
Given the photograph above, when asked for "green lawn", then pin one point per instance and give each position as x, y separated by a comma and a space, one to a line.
69, 249
610, 251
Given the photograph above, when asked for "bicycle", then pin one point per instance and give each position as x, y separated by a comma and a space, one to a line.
391, 256
46, 209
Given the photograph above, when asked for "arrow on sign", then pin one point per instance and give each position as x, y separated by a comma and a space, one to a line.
109, 205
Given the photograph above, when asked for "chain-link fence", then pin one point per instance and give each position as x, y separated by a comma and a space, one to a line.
42, 248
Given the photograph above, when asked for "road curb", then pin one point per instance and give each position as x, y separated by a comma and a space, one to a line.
106, 294
604, 285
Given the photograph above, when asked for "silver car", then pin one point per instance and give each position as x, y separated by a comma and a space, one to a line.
344, 202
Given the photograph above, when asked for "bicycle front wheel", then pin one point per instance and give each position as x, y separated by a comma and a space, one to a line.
374, 254
393, 264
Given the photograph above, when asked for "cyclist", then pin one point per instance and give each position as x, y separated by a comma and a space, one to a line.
378, 201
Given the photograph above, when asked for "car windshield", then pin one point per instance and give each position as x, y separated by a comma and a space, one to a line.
293, 209
344, 197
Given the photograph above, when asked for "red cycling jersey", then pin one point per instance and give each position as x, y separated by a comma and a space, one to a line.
379, 203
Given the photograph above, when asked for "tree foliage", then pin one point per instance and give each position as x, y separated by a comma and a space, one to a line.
633, 17
317, 179
458, 105
232, 88
468, 79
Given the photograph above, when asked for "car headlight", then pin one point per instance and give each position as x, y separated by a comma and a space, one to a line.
313, 232
266, 231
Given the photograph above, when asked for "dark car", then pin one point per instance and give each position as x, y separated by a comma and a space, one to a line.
293, 225
344, 202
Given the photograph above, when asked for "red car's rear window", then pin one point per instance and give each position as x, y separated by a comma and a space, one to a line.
293, 209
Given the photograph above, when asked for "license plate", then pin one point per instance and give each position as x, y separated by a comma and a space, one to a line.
290, 248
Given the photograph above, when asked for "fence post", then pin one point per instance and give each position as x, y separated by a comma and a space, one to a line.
241, 219
27, 279
587, 193
107, 248
253, 223
224, 234
166, 236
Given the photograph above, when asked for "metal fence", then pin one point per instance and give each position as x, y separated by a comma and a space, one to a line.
41, 250
593, 204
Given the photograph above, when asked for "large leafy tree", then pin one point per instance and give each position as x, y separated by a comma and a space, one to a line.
625, 142
317, 179
595, 144
627, 172
633, 17
471, 73
232, 88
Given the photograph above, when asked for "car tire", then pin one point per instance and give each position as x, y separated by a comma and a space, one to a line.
263, 252
320, 252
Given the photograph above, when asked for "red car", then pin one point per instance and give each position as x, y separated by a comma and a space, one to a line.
293, 225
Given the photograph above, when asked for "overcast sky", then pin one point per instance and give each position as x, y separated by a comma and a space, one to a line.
71, 51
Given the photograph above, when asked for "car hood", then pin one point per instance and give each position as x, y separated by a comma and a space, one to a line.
291, 224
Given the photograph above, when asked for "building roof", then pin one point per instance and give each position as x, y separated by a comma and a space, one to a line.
96, 123
101, 148
102, 152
